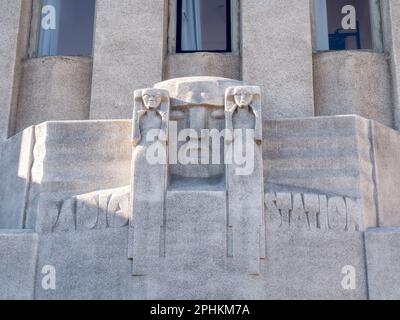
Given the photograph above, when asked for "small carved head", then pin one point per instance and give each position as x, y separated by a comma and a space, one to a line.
152, 99
243, 97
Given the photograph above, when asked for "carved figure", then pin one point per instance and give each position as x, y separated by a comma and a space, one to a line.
149, 180
243, 109
245, 185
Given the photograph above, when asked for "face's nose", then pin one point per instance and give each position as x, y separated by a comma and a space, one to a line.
197, 119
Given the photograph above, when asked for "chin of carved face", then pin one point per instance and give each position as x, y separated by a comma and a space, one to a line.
151, 101
243, 99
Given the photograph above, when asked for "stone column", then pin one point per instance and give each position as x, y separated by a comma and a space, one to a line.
277, 55
128, 53
14, 26
245, 184
391, 43
149, 179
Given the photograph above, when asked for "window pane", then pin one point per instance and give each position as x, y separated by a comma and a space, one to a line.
204, 25
343, 24
67, 28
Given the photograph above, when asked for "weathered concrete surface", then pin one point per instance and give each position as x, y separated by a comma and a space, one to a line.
329, 155
302, 261
102, 209
202, 64
89, 265
54, 88
391, 44
310, 239
195, 244
14, 26
15, 174
197, 103
352, 82
245, 182
279, 59
148, 180
78, 157
386, 144
308, 266
320, 199
383, 257
128, 54
18, 251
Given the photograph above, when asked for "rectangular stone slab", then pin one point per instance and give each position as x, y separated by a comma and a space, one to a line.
18, 250
383, 256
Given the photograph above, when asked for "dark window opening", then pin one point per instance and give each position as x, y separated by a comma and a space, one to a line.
204, 25
66, 28
343, 25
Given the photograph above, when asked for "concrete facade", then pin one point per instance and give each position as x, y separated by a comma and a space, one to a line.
13, 46
79, 200
128, 51
65, 95
290, 89
362, 85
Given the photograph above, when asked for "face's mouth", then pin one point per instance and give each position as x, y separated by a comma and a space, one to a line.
152, 102
243, 100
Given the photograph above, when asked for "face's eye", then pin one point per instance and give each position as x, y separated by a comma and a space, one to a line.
242, 96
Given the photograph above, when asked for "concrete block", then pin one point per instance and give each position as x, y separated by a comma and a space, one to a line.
306, 265
88, 265
386, 144
279, 59
391, 42
18, 250
15, 27
195, 247
362, 85
78, 157
382, 247
128, 54
202, 64
310, 239
328, 155
54, 88
16, 157
318, 154
99, 210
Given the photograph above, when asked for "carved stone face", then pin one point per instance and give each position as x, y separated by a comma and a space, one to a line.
198, 104
152, 100
243, 98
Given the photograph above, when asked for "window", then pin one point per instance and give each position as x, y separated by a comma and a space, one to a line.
343, 25
204, 25
66, 28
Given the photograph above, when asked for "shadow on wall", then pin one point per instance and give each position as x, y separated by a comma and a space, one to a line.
57, 160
